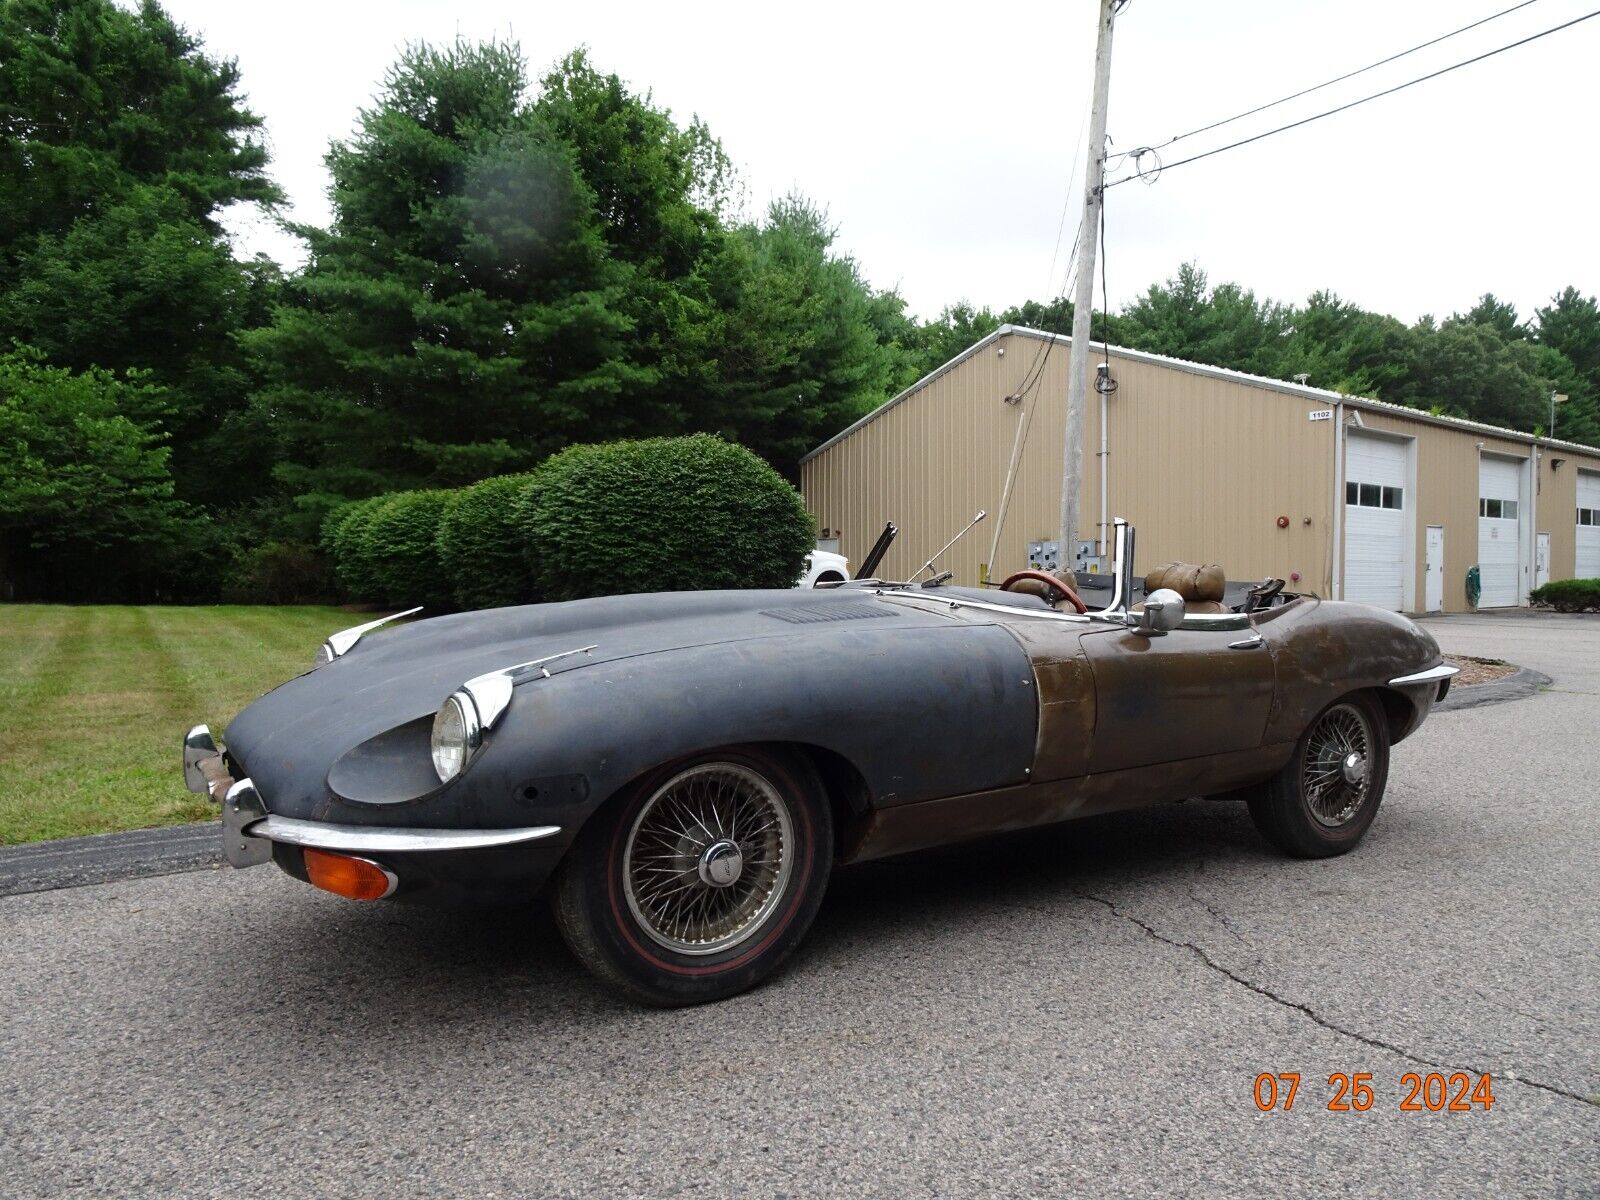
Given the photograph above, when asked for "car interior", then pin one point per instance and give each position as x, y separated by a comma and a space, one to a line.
1205, 588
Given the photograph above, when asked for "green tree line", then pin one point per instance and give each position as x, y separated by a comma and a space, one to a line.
1487, 364
514, 264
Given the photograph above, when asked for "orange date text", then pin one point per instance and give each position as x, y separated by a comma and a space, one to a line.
1354, 1091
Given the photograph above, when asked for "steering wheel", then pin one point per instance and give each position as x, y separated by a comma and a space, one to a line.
1050, 582
1261, 595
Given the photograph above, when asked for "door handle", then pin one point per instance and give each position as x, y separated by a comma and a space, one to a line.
1249, 643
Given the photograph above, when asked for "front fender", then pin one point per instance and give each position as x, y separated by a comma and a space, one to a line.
919, 712
1328, 649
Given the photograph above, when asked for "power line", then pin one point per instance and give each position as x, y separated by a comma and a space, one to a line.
1028, 378
1341, 78
1041, 357
1400, 87
1066, 201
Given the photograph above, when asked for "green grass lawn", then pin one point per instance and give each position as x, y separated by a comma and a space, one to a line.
95, 700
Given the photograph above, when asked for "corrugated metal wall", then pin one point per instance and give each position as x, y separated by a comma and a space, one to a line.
1202, 465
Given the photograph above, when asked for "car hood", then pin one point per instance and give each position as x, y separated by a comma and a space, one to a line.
404, 673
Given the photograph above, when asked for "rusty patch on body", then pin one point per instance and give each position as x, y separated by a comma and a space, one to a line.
1066, 697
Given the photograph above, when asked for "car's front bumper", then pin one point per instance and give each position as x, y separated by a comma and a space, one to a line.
1437, 679
249, 830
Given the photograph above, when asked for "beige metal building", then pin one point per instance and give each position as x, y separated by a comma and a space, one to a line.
1342, 496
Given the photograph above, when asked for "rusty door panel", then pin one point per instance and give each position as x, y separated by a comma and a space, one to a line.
1186, 695
1066, 697
909, 827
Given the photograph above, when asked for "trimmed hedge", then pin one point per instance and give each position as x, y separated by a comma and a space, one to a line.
344, 538
480, 546
1569, 595
666, 514
400, 549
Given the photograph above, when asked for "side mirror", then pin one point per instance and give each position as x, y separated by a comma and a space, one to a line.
1163, 611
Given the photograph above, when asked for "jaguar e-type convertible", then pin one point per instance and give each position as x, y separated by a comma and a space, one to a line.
681, 772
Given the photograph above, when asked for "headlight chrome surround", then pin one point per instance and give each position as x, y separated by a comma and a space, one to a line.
474, 709
457, 734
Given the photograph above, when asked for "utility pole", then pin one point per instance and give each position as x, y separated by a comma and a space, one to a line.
1083, 298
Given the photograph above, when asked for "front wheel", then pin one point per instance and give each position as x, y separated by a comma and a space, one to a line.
701, 879
1324, 800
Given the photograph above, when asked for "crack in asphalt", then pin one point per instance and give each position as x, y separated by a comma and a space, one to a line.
1306, 1010
1219, 917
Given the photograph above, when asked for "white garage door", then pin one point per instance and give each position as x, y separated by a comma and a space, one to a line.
1375, 524
1588, 565
1499, 528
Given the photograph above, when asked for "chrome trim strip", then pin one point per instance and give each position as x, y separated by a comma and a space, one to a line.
1431, 675
339, 644
370, 839
198, 744
1121, 571
1008, 609
1217, 622
491, 693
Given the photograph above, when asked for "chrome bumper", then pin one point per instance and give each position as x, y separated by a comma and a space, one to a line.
248, 829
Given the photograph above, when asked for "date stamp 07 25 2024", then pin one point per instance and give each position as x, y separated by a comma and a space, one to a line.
1433, 1091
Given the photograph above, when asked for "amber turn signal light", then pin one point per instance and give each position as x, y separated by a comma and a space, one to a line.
344, 875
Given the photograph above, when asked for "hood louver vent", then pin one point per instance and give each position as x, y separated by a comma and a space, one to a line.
832, 612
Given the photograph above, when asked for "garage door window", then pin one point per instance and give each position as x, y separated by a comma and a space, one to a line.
1589, 516
1503, 510
1372, 495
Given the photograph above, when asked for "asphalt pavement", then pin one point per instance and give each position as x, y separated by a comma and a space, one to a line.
109, 857
1079, 1012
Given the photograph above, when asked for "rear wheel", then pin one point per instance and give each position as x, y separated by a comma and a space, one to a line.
701, 879
1324, 800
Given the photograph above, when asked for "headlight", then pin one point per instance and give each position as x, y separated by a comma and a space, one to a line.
456, 734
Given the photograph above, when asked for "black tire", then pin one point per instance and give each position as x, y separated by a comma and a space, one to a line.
652, 931
1305, 820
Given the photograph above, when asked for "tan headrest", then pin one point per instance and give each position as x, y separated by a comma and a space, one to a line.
1194, 582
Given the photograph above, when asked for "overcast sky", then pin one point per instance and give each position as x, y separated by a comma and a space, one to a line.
941, 137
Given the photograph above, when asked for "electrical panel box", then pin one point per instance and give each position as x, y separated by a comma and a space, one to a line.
1087, 559
1044, 555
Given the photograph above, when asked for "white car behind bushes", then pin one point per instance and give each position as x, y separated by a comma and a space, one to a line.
824, 566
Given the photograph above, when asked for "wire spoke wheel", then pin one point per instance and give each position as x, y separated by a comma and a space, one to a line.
708, 858
1336, 771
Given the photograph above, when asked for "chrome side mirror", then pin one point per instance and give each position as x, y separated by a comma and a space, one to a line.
1163, 611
